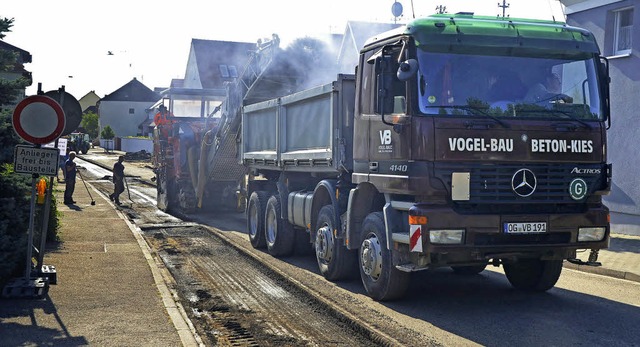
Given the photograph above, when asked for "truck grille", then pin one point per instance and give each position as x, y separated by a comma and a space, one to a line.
491, 184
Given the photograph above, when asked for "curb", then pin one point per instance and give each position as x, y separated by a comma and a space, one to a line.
624, 275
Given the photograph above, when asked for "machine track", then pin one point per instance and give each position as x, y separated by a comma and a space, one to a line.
235, 301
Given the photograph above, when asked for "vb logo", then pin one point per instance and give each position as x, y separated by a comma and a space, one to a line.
385, 137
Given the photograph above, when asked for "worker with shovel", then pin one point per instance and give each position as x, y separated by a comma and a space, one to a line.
70, 179
118, 180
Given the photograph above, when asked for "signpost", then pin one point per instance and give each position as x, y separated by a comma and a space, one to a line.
38, 120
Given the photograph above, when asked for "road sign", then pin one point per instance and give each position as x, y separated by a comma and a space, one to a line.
38, 119
33, 160
71, 107
62, 146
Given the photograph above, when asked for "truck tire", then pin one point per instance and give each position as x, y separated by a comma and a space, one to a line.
279, 233
533, 274
469, 270
255, 219
335, 261
380, 278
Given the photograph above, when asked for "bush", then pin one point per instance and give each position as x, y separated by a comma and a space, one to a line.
107, 133
14, 221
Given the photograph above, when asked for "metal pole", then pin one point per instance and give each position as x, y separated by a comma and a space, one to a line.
45, 223
27, 271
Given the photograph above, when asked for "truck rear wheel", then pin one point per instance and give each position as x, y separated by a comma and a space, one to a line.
255, 219
533, 274
279, 233
381, 279
335, 261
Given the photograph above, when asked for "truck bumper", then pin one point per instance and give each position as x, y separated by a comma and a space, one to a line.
485, 236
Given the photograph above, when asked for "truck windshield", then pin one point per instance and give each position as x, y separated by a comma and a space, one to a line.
508, 86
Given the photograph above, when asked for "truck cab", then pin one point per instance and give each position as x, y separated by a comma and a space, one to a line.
478, 141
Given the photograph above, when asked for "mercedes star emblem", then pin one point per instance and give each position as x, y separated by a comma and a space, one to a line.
523, 182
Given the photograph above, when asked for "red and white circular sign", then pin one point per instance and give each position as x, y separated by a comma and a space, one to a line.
38, 119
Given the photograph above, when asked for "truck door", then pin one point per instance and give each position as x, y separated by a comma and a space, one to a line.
389, 133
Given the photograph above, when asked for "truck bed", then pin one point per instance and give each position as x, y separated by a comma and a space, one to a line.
308, 131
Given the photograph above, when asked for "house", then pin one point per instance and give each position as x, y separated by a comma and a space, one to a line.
125, 108
17, 70
211, 63
617, 32
89, 102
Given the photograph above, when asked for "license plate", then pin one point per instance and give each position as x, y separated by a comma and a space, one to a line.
525, 227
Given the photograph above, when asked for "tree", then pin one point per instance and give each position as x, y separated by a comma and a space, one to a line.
107, 133
9, 89
90, 124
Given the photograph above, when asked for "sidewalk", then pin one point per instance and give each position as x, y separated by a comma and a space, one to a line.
109, 291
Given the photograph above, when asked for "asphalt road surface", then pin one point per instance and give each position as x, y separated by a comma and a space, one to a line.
240, 296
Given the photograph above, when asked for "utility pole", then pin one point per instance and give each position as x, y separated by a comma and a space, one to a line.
504, 6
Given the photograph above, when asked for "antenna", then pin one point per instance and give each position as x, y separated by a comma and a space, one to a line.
504, 6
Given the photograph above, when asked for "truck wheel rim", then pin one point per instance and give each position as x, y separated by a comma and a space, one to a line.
371, 257
253, 220
271, 227
324, 242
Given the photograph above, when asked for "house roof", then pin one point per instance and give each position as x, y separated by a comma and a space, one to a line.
211, 54
23, 56
132, 91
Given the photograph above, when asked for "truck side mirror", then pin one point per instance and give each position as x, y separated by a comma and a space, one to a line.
407, 69
603, 71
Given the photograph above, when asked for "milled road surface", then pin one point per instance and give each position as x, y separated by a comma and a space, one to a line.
240, 303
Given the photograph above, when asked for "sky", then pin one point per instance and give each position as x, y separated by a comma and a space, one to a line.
69, 40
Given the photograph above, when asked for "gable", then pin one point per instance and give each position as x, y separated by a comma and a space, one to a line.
133, 91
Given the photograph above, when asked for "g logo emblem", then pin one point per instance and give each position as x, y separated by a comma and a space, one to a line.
578, 189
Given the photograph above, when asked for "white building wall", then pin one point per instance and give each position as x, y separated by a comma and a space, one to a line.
116, 115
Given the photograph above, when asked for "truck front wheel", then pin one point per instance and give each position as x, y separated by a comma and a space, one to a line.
533, 274
279, 233
255, 219
381, 279
335, 261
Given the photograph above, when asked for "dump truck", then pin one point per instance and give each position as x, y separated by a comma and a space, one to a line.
461, 141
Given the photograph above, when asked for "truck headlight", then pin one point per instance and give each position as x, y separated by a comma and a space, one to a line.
591, 234
447, 236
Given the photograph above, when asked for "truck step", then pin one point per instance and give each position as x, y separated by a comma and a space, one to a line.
400, 237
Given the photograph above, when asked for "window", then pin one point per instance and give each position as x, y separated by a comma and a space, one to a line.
233, 72
132, 111
224, 71
622, 31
